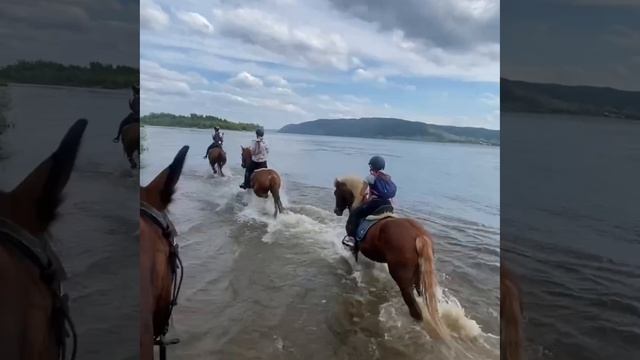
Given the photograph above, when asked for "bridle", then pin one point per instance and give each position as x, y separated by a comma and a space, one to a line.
52, 273
162, 221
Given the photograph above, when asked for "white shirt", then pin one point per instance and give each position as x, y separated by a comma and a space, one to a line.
259, 150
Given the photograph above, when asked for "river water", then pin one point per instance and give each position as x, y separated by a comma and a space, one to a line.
259, 288
96, 230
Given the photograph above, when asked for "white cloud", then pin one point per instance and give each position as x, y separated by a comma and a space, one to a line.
244, 79
276, 80
196, 22
362, 74
152, 16
302, 45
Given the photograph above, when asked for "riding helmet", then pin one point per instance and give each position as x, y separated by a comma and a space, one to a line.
377, 163
260, 132
216, 128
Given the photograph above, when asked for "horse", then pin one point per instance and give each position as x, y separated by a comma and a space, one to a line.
131, 142
34, 314
511, 317
217, 158
264, 181
405, 246
159, 259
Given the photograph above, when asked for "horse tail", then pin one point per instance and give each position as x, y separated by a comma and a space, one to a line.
429, 283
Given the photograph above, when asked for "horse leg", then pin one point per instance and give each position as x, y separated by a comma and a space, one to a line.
277, 202
220, 169
403, 275
132, 162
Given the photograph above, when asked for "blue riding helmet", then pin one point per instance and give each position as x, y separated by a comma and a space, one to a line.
377, 163
260, 132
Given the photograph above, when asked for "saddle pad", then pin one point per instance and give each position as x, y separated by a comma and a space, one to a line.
256, 170
368, 222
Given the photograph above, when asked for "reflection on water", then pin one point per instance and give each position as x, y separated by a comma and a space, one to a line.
256, 287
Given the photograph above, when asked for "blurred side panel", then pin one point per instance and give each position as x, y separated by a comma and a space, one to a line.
570, 162
61, 61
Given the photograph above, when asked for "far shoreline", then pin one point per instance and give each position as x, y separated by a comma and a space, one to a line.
334, 136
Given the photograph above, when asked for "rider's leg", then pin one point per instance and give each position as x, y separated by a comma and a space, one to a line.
131, 118
247, 175
208, 149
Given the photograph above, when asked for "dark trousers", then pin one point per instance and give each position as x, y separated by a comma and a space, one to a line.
253, 166
212, 146
130, 119
358, 214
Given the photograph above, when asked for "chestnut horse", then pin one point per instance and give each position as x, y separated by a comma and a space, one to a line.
217, 158
511, 314
405, 246
33, 309
264, 181
159, 260
131, 142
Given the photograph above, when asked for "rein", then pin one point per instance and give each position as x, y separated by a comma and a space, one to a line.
161, 220
52, 273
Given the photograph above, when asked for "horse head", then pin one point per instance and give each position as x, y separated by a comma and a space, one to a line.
160, 191
33, 204
25, 216
245, 156
349, 193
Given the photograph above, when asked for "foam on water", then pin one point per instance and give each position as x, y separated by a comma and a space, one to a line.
322, 231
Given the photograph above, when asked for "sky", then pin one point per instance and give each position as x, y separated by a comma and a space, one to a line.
276, 62
572, 42
70, 31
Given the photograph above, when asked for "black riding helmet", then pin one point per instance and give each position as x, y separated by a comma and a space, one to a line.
376, 163
216, 128
260, 132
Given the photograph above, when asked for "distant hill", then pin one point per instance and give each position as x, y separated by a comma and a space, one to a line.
390, 128
96, 75
521, 96
194, 121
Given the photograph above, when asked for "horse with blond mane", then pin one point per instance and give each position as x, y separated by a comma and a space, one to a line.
160, 278
34, 314
264, 181
404, 245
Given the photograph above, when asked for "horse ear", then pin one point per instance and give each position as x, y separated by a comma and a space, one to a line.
336, 182
160, 191
36, 199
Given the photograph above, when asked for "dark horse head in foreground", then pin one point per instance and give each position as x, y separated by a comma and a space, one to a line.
33, 309
264, 181
407, 249
159, 260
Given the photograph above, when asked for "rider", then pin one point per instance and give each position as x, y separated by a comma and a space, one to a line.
218, 139
134, 115
259, 152
381, 191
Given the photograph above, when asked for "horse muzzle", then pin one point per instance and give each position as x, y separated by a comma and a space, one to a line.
338, 211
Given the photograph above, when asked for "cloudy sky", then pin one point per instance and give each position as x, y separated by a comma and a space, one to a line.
70, 31
574, 42
286, 61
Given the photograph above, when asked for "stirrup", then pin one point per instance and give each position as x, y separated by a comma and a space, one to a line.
349, 241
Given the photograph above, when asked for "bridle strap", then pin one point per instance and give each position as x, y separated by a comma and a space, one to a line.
39, 252
162, 221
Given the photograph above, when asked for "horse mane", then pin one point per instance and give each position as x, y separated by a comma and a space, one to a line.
355, 184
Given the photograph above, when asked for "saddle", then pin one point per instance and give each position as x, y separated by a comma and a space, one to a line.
383, 212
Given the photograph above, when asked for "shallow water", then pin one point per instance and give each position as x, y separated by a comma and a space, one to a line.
256, 287
95, 233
